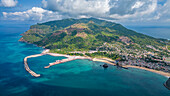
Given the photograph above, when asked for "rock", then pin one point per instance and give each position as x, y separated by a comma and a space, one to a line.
167, 84
21, 39
105, 66
125, 39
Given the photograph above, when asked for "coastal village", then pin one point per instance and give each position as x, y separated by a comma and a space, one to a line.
135, 57
148, 57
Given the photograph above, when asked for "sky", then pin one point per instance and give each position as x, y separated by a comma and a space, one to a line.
126, 12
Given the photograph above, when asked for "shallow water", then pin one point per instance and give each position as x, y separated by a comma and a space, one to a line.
75, 78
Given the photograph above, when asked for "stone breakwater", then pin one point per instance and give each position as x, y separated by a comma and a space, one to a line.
32, 56
27, 67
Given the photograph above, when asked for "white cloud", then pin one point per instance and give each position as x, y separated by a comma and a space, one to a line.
119, 10
8, 3
164, 12
78, 7
116, 9
35, 14
138, 4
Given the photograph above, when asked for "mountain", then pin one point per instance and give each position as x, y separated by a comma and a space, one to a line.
88, 34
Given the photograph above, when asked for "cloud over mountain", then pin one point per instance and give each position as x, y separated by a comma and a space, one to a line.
120, 10
102, 8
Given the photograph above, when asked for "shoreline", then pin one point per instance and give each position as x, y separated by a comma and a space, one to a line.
137, 67
107, 60
151, 70
70, 58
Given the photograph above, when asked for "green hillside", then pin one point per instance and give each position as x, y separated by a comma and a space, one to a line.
88, 34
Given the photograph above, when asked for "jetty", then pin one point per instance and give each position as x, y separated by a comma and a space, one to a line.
69, 58
31, 56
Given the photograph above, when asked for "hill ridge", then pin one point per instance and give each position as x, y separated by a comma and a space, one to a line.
88, 34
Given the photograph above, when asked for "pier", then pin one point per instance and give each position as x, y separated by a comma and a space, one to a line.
70, 58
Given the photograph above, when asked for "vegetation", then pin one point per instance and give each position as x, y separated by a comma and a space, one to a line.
103, 54
76, 54
62, 34
168, 47
92, 34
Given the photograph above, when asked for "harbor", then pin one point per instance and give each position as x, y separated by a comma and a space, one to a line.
46, 52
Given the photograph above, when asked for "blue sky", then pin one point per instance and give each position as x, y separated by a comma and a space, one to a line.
127, 12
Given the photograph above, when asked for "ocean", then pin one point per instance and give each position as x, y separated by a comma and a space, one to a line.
75, 78
154, 31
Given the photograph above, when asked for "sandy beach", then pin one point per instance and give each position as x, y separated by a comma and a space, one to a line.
151, 70
105, 60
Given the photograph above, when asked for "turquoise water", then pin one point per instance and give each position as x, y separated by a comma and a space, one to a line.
75, 78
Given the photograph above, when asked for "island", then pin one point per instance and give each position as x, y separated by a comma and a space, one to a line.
99, 40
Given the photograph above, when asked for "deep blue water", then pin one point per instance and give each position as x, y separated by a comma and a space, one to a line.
154, 31
75, 78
